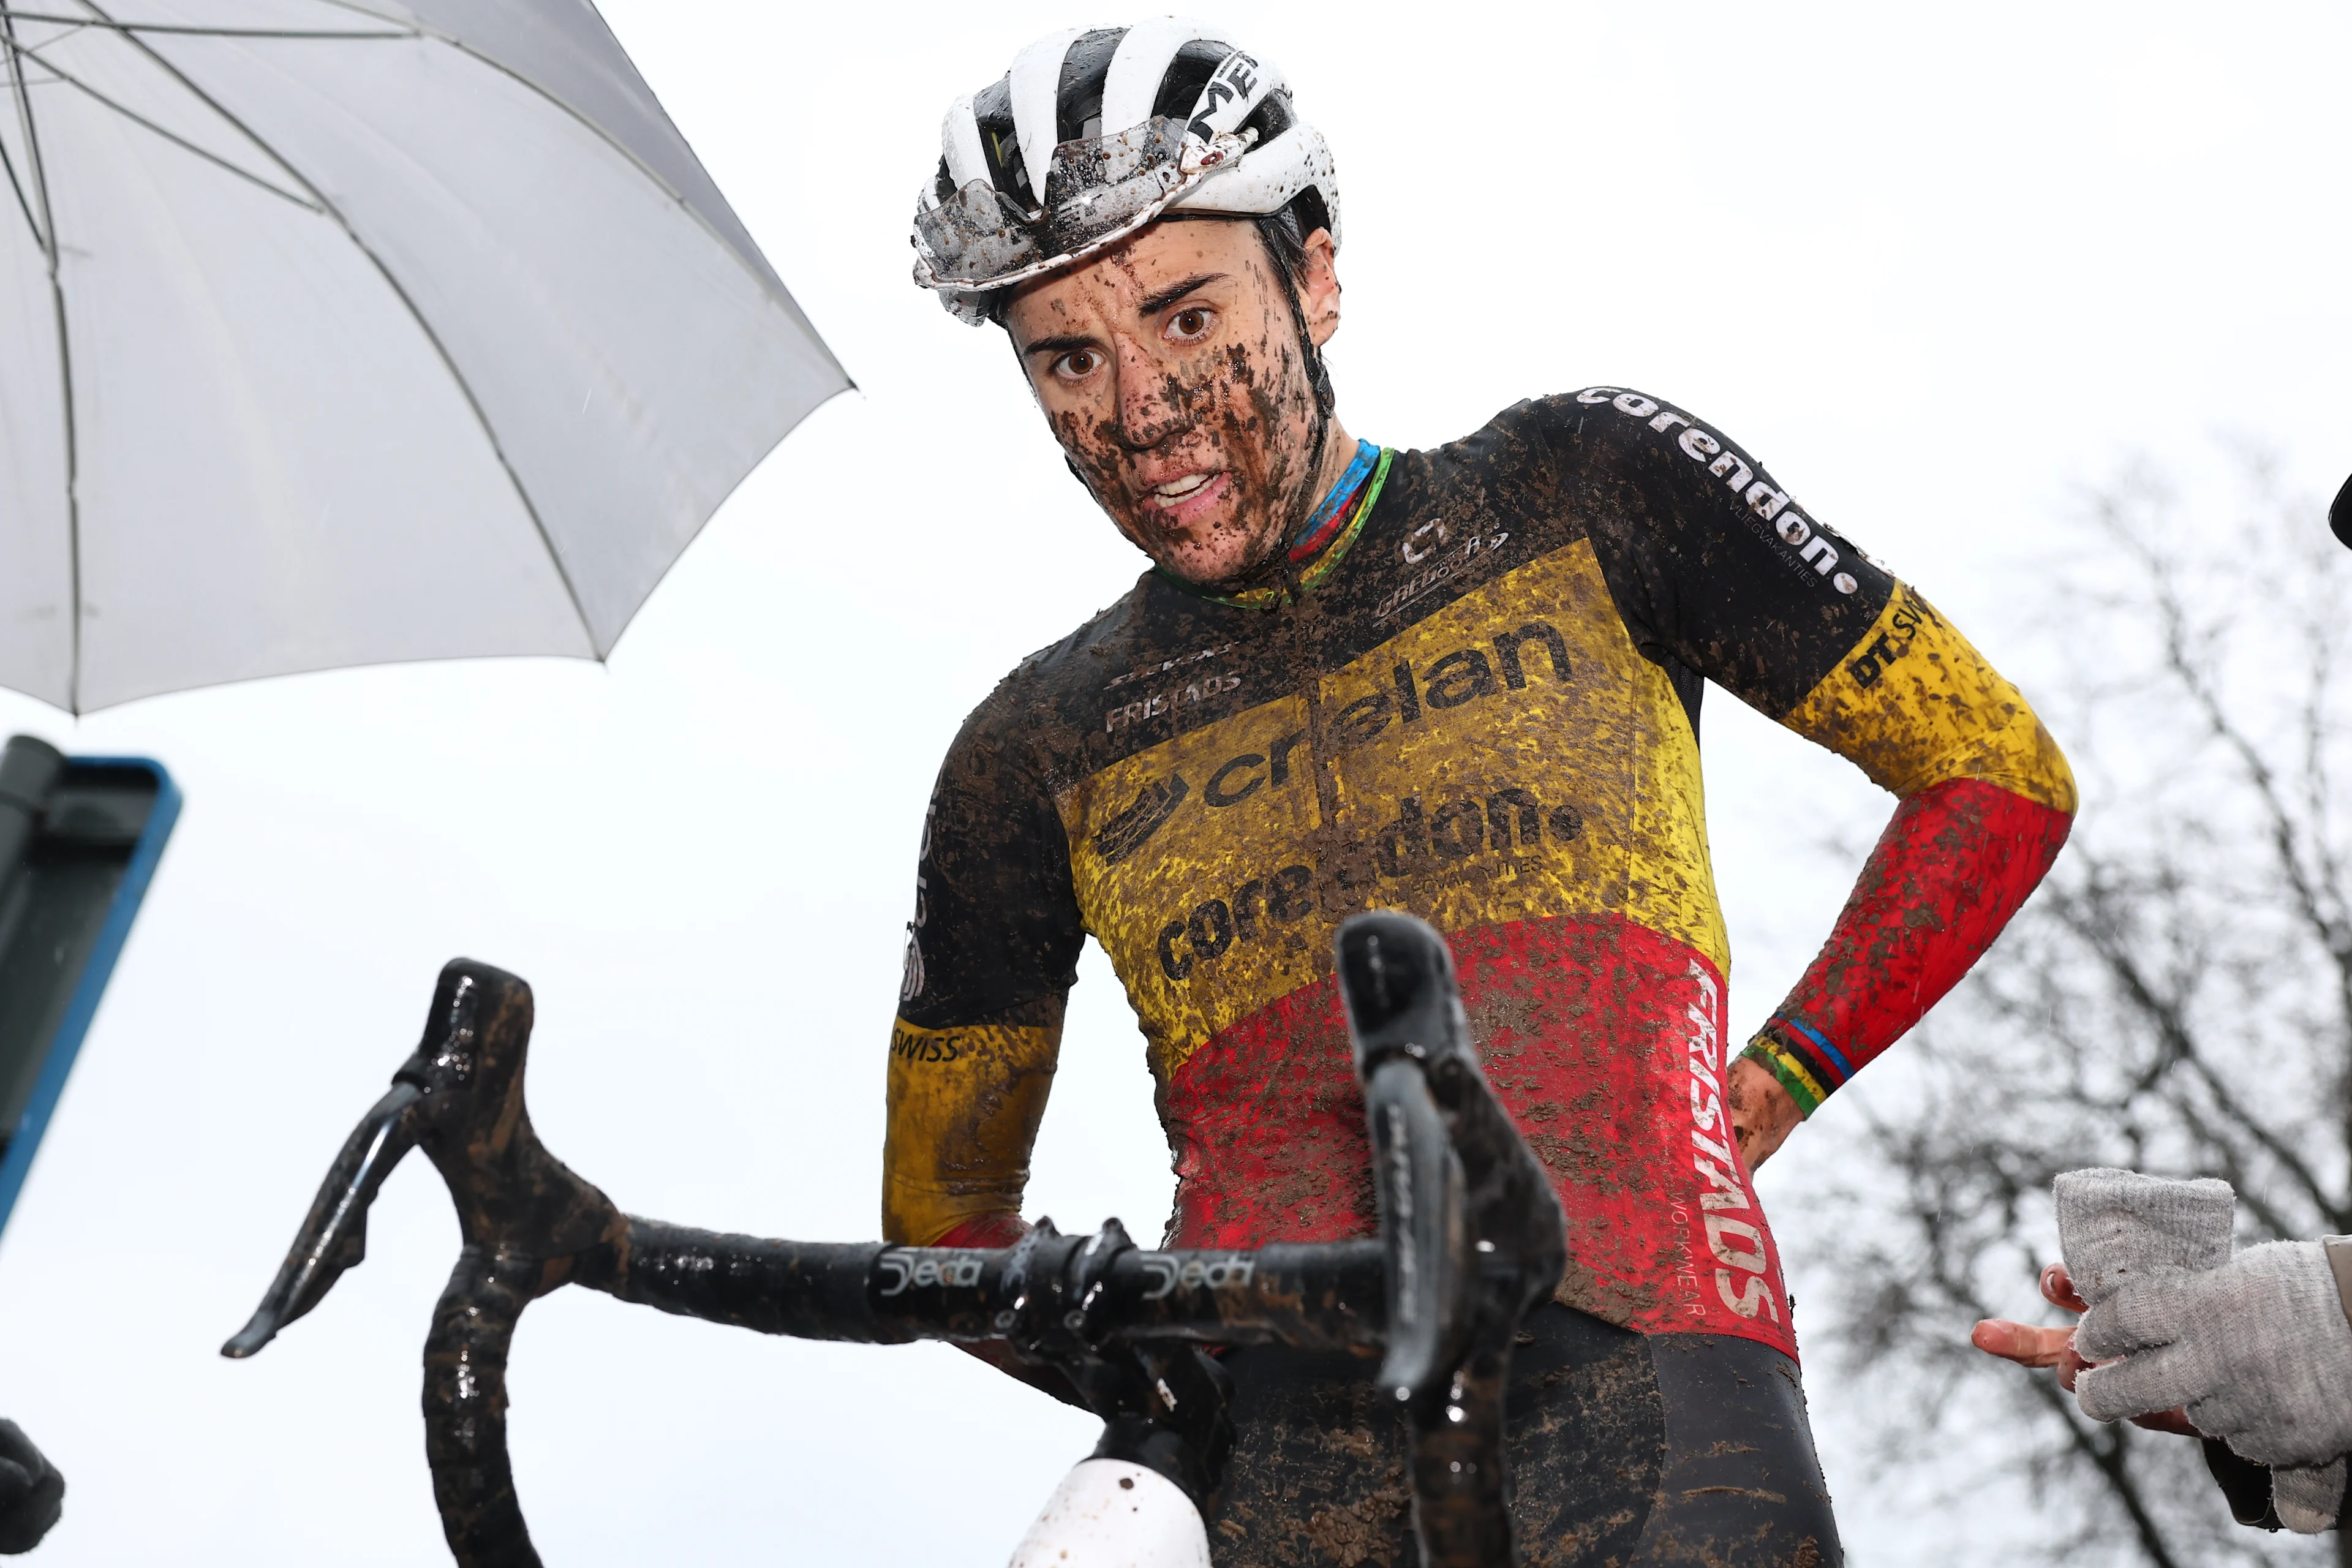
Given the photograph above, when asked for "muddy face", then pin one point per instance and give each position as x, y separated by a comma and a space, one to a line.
1170, 370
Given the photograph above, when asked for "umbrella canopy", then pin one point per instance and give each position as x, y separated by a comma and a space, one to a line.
343, 332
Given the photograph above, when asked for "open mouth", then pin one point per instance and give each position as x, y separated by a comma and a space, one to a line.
1177, 489
1179, 500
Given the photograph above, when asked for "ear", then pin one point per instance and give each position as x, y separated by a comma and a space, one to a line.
1319, 286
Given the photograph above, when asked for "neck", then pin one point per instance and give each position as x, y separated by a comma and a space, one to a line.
1351, 487
1339, 451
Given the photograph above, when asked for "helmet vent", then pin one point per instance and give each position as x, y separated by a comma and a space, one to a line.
1269, 118
992, 108
1077, 105
1187, 74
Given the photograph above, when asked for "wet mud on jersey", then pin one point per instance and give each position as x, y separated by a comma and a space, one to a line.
1487, 714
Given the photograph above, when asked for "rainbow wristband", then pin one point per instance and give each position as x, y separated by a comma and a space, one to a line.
1803, 1059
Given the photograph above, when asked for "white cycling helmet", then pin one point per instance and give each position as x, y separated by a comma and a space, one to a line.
1093, 134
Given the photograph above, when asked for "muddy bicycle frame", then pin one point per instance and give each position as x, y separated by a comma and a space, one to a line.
1471, 1238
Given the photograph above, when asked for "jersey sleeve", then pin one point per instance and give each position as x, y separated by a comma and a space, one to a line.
990, 956
1713, 565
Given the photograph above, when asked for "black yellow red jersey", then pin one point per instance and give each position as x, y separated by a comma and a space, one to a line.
1481, 704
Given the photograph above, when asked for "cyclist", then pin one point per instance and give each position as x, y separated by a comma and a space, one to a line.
1464, 683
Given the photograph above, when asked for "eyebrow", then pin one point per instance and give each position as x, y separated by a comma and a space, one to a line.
1063, 343
1068, 342
1169, 295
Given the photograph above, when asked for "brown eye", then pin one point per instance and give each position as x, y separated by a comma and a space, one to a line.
1189, 323
1077, 365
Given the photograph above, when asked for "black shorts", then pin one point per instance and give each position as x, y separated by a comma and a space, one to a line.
1625, 1450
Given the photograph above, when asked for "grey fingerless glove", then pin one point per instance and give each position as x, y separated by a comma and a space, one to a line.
2118, 1227
2308, 1497
2259, 1351
2257, 1348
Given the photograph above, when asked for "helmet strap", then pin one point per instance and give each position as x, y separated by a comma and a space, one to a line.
1319, 386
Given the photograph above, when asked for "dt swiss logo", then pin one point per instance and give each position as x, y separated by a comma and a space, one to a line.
1902, 624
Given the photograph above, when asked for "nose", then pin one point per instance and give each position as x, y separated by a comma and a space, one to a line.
1147, 415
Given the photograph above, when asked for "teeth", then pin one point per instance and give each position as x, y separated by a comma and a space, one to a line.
1177, 489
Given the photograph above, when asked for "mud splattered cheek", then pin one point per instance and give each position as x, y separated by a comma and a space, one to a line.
1242, 404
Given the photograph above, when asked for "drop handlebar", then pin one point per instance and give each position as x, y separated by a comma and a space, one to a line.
1471, 1238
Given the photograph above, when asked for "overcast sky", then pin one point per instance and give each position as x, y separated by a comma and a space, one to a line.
1941, 268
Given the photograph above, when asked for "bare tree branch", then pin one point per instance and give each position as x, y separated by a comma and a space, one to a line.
2177, 999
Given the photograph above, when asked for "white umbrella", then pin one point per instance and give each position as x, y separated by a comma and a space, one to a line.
339, 332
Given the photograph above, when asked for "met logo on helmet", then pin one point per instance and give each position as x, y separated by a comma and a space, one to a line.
1233, 82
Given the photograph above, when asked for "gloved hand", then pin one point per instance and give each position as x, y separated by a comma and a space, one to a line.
2135, 1246
32, 1493
2259, 1351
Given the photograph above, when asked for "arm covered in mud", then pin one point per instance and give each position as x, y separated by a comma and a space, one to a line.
1718, 571
1986, 803
990, 956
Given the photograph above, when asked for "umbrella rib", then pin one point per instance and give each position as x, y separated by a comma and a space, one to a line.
131, 29
37, 175
174, 137
327, 208
24, 201
357, 9
790, 306
24, 204
187, 29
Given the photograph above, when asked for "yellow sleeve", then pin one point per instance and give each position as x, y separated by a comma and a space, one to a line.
1913, 705
963, 1109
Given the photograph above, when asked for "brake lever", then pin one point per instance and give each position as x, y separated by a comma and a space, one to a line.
333, 1236
460, 1096
528, 1223
1475, 1236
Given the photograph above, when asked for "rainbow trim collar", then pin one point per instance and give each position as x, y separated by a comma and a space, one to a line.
1328, 519
1332, 529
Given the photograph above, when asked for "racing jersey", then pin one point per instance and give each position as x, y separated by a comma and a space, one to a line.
1481, 704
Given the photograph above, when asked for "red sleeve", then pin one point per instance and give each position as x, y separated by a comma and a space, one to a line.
1953, 866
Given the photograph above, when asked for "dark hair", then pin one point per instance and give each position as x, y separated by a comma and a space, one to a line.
1284, 234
